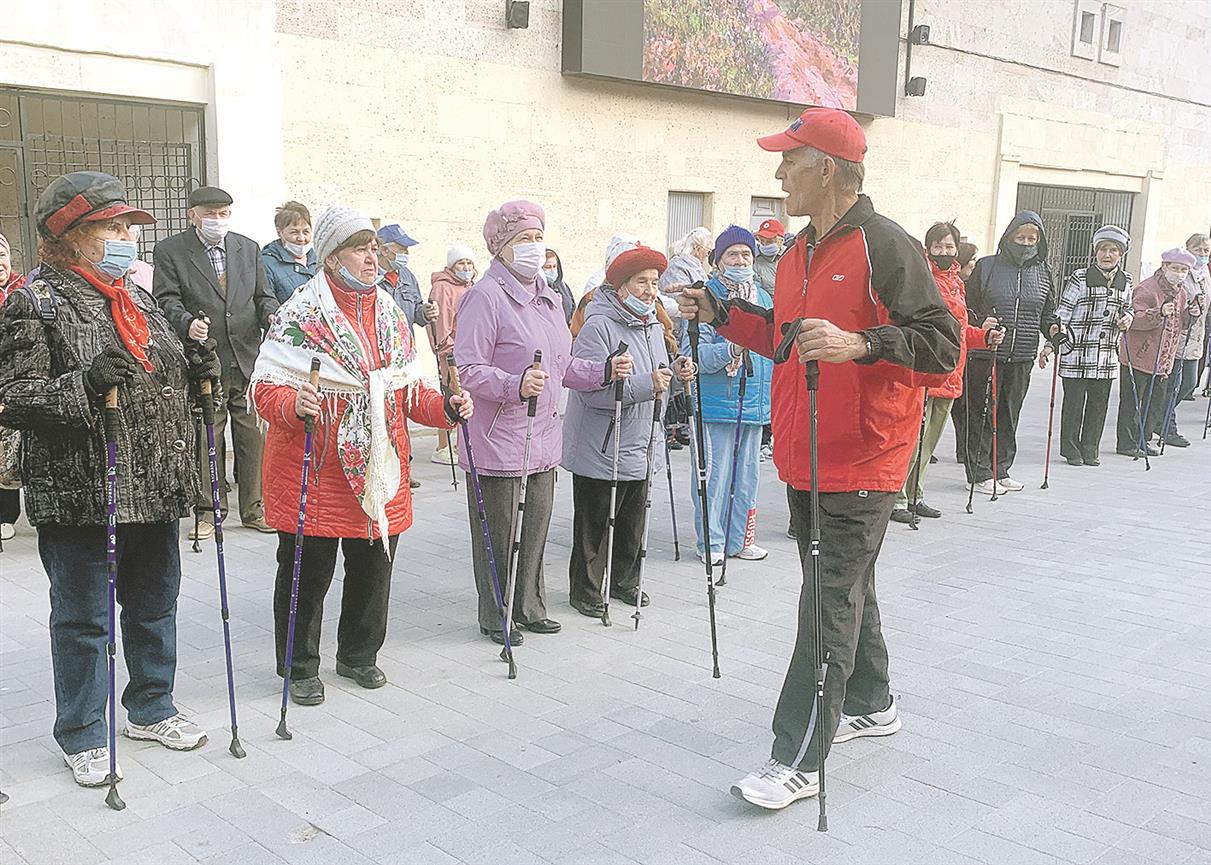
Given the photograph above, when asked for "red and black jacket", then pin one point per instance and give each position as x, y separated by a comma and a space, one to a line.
865, 275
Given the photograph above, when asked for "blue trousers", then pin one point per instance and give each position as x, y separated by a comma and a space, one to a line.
720, 439
148, 582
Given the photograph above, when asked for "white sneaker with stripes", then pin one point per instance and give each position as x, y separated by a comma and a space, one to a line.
875, 724
775, 785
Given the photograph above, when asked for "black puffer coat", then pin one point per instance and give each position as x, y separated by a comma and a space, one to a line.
42, 367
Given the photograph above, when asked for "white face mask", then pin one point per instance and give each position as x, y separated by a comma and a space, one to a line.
298, 250
1174, 278
528, 259
214, 230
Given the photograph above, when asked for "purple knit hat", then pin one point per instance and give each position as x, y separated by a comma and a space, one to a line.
1177, 255
731, 236
510, 220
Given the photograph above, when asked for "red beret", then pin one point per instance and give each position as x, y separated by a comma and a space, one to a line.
829, 130
631, 262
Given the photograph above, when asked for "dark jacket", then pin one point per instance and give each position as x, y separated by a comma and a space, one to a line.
1024, 297
865, 275
42, 367
283, 272
565, 293
185, 286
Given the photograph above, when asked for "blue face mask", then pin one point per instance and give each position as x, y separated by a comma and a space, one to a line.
739, 274
550, 276
769, 250
119, 255
354, 283
1201, 260
637, 306
464, 275
400, 261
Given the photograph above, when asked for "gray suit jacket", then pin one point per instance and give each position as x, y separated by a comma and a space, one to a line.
186, 288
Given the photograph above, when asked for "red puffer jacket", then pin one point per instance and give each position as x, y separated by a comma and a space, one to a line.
950, 283
332, 509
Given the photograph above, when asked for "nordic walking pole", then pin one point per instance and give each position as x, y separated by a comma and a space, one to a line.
449, 439
1171, 402
112, 424
746, 371
811, 373
515, 552
236, 749
1160, 342
617, 429
1135, 398
916, 476
309, 434
456, 389
1058, 340
971, 479
647, 500
993, 402
1207, 421
705, 505
668, 472
197, 510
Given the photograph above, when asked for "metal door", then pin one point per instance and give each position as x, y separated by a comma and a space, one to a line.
1070, 216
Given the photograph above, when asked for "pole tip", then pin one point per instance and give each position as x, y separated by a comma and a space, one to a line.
822, 824
112, 799
512, 669
282, 732
605, 619
236, 749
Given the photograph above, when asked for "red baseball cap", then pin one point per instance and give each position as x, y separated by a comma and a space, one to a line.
829, 130
771, 228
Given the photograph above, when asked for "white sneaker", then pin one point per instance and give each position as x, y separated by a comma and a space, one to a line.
90, 768
716, 559
1010, 485
443, 457
775, 785
752, 553
767, 452
875, 724
178, 733
986, 487
7, 531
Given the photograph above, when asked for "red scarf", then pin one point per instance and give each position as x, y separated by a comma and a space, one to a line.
128, 318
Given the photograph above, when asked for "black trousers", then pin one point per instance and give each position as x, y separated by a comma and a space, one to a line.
1154, 407
960, 413
1013, 380
10, 505
363, 623
852, 527
1083, 416
590, 533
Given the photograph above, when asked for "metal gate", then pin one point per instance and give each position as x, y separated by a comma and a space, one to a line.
155, 149
1070, 216
687, 211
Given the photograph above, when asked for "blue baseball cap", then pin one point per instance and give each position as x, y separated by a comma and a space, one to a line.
394, 234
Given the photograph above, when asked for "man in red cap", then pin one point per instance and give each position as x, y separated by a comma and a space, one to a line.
855, 294
769, 247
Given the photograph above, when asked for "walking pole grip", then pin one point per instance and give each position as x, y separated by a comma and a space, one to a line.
207, 390
532, 407
309, 422
811, 374
111, 414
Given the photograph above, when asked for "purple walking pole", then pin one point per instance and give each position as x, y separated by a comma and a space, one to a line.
111, 422
309, 429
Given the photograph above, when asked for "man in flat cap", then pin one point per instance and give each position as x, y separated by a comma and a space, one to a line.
211, 282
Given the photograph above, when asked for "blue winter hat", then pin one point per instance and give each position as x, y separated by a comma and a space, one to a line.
731, 236
393, 233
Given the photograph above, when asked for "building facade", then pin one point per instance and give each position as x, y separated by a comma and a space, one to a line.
431, 112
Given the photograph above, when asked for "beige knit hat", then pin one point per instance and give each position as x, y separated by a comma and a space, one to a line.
335, 225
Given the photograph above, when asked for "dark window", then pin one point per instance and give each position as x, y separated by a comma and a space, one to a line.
1088, 20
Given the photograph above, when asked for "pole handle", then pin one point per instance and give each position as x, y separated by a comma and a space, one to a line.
206, 387
618, 382
314, 378
111, 397
532, 408
456, 387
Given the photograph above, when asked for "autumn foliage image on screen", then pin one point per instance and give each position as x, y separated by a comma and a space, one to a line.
799, 51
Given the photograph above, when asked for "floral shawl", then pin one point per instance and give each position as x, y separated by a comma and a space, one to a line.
310, 324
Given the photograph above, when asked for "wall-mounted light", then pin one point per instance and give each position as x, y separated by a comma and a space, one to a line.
915, 86
517, 14
919, 35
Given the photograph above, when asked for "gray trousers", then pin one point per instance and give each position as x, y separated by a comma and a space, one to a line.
500, 505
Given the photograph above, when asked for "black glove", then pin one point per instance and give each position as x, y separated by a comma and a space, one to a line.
203, 360
112, 367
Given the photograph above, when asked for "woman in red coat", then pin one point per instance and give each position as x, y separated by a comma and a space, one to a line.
359, 497
942, 246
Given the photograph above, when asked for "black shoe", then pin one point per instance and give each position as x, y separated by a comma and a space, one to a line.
683, 436
674, 445
933, 460
542, 626
901, 515
790, 532
1177, 440
307, 692
924, 510
414, 484
369, 676
627, 596
593, 611
498, 637
1075, 461
1092, 461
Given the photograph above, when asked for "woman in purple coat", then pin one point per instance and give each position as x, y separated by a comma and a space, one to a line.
503, 319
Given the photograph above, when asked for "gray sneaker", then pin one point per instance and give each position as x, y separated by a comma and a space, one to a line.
178, 733
91, 768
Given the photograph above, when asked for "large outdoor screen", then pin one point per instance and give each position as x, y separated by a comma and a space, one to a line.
836, 53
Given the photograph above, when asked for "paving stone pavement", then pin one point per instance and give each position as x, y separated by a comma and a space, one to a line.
1050, 653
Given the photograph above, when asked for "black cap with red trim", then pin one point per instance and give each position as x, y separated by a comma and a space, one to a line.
83, 196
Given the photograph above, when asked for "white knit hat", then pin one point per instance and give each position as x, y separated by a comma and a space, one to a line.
458, 252
335, 225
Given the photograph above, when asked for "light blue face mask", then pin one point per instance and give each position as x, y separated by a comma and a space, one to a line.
1201, 260
400, 261
464, 275
356, 284
119, 255
637, 306
769, 250
739, 274
550, 276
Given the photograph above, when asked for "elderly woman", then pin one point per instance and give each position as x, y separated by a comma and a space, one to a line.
722, 364
290, 260
10, 500
76, 331
623, 310
446, 289
510, 313
359, 500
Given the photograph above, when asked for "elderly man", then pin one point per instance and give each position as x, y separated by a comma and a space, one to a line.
211, 283
394, 249
854, 294
769, 247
